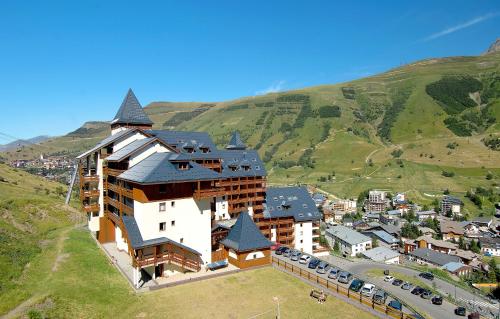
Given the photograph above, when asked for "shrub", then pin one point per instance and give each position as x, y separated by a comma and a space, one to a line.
448, 174
452, 92
398, 104
397, 153
329, 111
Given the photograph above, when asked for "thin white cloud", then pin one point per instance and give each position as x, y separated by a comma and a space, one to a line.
460, 26
277, 86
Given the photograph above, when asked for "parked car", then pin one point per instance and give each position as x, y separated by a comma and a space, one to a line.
287, 251
417, 291
427, 294
334, 272
314, 263
407, 286
437, 300
356, 285
368, 290
474, 315
427, 275
380, 297
295, 256
460, 311
275, 246
323, 267
280, 250
388, 278
397, 282
304, 259
395, 304
344, 277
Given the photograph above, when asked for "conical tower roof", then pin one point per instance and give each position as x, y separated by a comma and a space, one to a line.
245, 235
236, 143
131, 112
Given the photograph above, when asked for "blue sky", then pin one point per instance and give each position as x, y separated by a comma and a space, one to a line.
64, 63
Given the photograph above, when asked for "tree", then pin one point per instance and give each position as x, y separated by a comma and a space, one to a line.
410, 231
336, 246
461, 243
474, 247
374, 243
493, 268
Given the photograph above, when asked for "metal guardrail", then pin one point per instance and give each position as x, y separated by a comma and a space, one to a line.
335, 287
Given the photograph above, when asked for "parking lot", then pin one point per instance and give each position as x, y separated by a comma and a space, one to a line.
446, 310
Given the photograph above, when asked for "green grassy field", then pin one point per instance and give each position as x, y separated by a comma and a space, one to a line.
86, 285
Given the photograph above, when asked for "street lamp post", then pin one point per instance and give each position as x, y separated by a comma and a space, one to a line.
278, 315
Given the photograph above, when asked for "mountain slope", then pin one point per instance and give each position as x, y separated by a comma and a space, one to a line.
19, 143
398, 130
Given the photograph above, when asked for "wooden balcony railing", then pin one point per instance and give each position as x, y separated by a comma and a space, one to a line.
207, 193
170, 257
112, 171
91, 208
89, 178
90, 193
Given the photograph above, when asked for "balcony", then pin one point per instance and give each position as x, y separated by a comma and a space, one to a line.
112, 171
208, 193
89, 193
89, 178
91, 208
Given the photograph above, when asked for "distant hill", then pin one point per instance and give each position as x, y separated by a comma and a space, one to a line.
398, 130
494, 47
19, 143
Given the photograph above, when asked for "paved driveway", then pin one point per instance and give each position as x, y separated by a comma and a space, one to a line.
446, 310
443, 287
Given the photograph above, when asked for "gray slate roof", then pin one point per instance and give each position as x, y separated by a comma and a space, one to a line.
136, 241
129, 149
385, 237
380, 254
290, 201
245, 235
434, 257
236, 143
131, 111
157, 168
348, 235
108, 140
452, 199
181, 139
240, 160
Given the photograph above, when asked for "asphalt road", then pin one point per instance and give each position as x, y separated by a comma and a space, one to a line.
446, 310
443, 287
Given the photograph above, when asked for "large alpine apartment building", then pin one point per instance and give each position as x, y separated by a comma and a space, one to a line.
175, 202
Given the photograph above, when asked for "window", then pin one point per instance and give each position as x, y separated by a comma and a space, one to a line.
300, 224
224, 197
223, 206
254, 256
301, 241
301, 233
162, 188
172, 204
172, 223
163, 226
182, 240
162, 207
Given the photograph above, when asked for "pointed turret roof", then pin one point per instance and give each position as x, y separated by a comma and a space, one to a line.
131, 112
245, 235
236, 143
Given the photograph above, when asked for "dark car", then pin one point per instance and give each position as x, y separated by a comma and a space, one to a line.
344, 277
287, 251
323, 267
280, 250
356, 285
395, 304
417, 291
397, 282
427, 275
460, 311
379, 297
313, 263
437, 300
426, 294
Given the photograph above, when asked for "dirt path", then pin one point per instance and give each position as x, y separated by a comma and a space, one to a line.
38, 297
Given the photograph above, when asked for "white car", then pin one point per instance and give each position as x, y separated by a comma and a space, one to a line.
368, 289
388, 278
304, 259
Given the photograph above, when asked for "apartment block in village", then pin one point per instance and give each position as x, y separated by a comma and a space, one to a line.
175, 202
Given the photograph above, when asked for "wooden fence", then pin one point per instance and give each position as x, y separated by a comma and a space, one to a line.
335, 287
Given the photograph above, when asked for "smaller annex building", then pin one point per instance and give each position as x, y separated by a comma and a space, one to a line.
245, 245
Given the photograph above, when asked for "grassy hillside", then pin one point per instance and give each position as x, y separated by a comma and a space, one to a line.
435, 115
84, 284
32, 215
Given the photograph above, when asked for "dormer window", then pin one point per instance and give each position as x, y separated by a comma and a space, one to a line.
204, 149
189, 149
246, 167
183, 166
233, 167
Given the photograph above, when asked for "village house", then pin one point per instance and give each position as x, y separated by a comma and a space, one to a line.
350, 241
426, 214
383, 255
383, 238
451, 230
490, 246
430, 243
456, 268
377, 201
483, 222
344, 205
175, 203
426, 256
470, 230
450, 204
